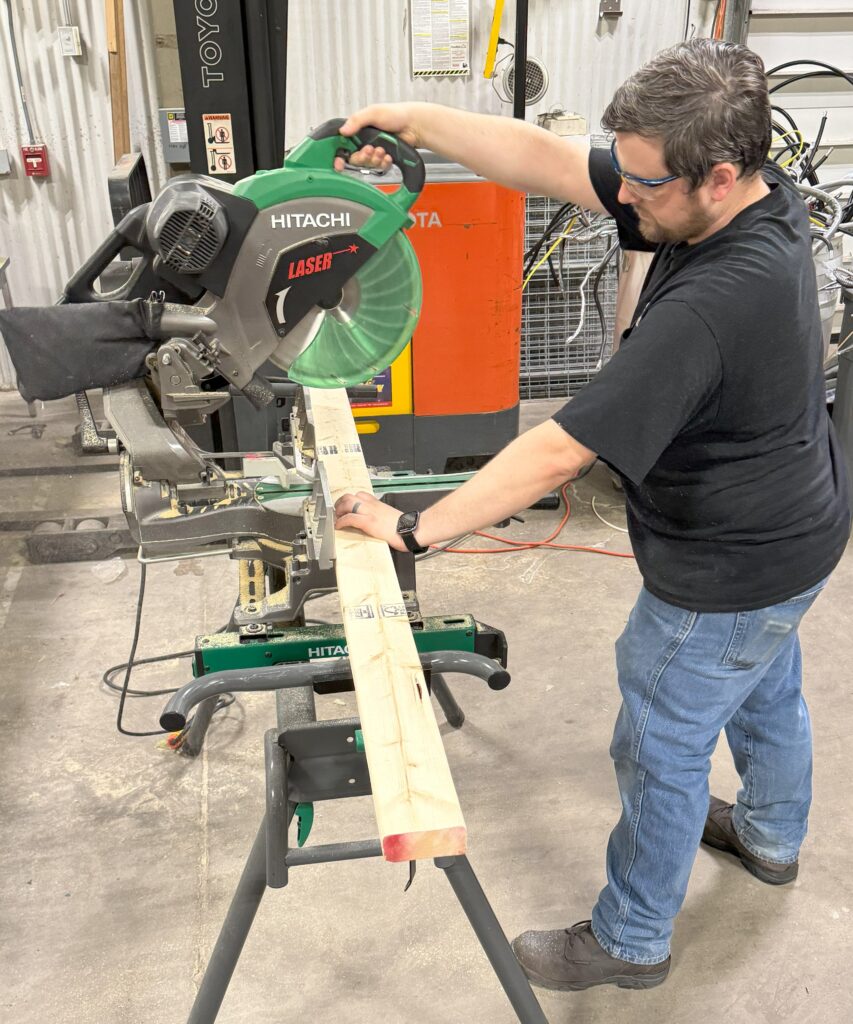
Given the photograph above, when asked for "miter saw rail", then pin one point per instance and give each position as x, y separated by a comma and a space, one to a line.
278, 510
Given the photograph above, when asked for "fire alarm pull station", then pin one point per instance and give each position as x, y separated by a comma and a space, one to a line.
36, 164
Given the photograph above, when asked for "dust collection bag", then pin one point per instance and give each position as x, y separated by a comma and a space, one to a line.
59, 350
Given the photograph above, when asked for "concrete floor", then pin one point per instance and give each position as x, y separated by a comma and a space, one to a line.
119, 858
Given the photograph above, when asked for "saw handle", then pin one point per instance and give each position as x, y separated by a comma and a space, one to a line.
404, 157
144, 278
130, 231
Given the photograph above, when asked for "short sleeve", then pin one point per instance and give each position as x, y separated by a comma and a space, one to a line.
667, 372
606, 183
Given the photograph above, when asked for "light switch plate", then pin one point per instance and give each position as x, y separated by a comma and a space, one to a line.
69, 41
5, 164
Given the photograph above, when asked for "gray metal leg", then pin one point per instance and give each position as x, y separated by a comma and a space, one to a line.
229, 945
194, 739
461, 876
444, 695
279, 812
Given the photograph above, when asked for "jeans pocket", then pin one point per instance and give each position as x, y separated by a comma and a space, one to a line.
758, 635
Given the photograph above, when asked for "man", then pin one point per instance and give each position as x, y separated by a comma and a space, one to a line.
712, 413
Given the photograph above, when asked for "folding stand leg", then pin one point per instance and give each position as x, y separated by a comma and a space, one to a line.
461, 876
229, 945
443, 694
194, 737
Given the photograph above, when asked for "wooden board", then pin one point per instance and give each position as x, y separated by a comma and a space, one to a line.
416, 806
114, 13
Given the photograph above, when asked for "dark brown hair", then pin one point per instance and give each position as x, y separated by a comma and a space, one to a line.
706, 100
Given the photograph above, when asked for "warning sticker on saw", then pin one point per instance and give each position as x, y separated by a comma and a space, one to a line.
218, 143
313, 274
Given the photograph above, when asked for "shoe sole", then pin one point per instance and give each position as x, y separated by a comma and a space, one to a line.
622, 981
762, 874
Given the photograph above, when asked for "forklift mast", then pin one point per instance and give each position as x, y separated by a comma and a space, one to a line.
233, 57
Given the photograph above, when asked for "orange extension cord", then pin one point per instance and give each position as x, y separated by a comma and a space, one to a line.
548, 542
719, 20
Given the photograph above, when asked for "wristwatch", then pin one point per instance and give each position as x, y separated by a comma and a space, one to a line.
406, 526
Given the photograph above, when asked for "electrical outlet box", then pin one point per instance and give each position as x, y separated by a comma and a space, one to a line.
5, 163
36, 164
562, 122
69, 41
173, 135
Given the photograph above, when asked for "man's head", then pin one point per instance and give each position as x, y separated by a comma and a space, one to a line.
698, 113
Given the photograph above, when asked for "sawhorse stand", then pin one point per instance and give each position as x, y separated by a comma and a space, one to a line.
307, 761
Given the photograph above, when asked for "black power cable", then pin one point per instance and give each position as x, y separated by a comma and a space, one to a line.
829, 70
125, 691
130, 661
532, 254
809, 164
109, 675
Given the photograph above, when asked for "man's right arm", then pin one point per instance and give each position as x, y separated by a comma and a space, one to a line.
503, 149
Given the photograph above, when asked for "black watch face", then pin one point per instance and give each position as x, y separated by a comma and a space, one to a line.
407, 522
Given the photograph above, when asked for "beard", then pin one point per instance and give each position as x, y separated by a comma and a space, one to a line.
695, 223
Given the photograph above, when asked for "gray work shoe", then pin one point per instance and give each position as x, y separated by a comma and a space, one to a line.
720, 834
571, 959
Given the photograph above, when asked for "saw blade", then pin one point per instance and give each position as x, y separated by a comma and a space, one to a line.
369, 328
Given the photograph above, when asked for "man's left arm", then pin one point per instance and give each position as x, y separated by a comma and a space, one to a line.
532, 465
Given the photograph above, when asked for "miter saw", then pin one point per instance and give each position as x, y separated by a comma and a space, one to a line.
302, 266
306, 269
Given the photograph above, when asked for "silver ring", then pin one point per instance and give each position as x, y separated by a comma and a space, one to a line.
354, 509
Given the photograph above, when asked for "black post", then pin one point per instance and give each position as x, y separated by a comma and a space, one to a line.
277, 21
258, 64
212, 54
519, 89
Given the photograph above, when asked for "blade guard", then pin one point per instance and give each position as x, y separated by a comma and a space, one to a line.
349, 353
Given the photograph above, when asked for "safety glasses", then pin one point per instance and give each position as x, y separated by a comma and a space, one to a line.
642, 188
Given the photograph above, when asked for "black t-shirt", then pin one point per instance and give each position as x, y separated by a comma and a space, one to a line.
713, 411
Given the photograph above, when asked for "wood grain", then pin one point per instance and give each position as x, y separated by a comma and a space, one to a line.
114, 13
417, 809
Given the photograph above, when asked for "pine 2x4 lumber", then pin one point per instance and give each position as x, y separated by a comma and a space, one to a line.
414, 798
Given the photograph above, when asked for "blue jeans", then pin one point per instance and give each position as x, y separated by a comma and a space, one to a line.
684, 677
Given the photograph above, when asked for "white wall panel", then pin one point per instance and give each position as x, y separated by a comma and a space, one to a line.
142, 91
49, 225
826, 37
344, 54
803, 32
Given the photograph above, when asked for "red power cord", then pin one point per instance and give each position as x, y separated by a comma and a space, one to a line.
519, 545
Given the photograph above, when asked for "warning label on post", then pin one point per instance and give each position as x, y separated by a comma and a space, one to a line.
219, 143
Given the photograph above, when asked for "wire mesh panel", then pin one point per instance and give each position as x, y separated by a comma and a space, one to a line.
562, 343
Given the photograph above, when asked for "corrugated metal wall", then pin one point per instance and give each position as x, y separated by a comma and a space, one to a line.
347, 53
48, 226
